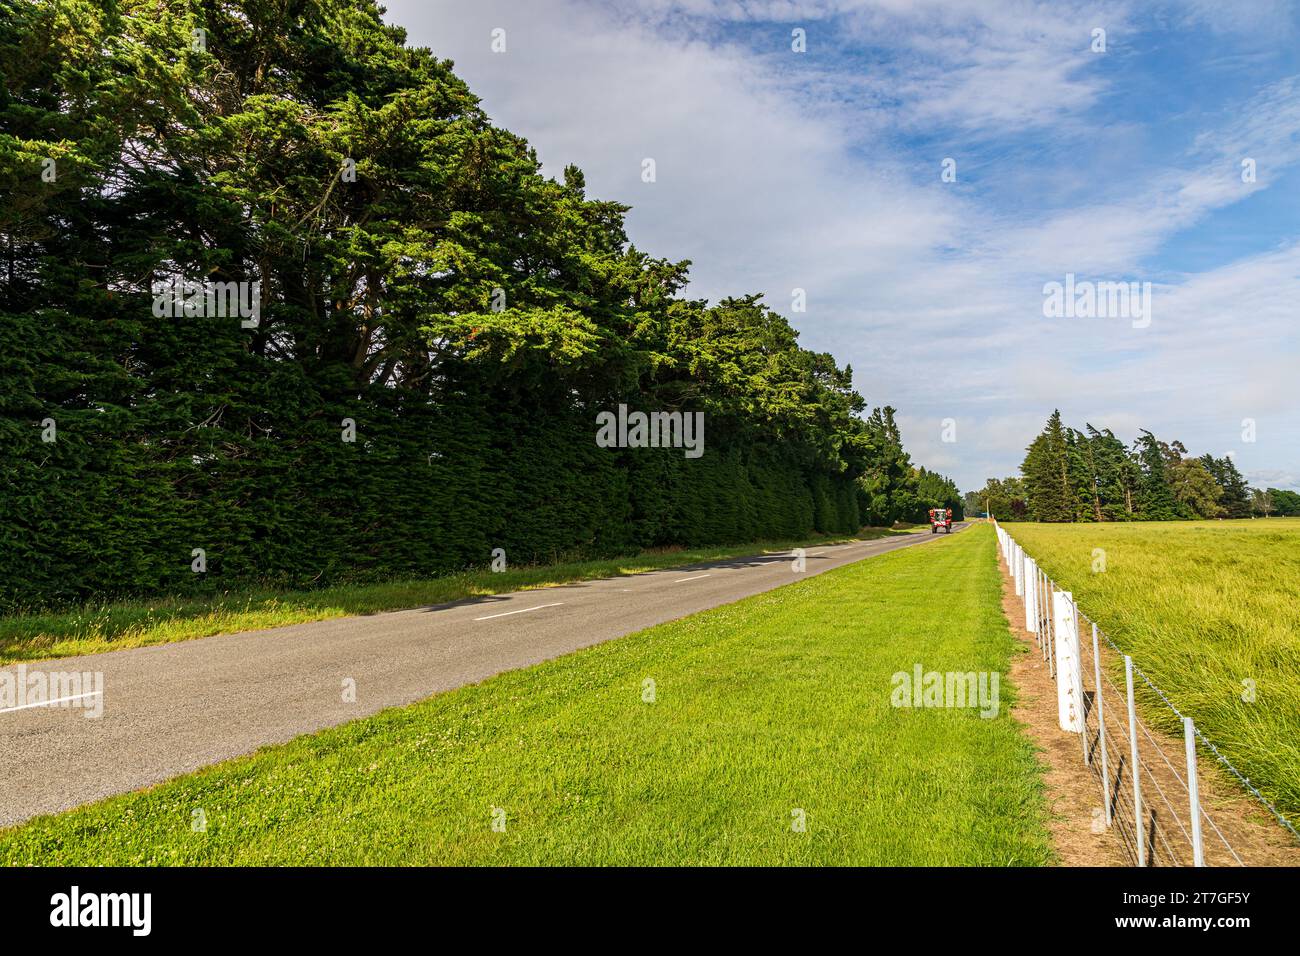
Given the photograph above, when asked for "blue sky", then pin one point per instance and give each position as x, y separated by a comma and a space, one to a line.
821, 171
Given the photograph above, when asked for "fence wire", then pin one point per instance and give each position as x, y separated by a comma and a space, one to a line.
1162, 791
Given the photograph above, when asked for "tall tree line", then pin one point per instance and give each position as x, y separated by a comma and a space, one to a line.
895, 490
439, 325
1091, 475
1275, 502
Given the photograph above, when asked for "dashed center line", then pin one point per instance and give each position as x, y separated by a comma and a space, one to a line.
695, 577
48, 703
524, 610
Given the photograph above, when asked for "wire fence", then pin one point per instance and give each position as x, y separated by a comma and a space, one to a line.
1151, 797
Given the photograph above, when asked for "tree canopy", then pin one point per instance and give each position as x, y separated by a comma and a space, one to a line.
1090, 475
439, 325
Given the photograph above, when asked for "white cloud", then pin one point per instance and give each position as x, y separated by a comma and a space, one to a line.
775, 174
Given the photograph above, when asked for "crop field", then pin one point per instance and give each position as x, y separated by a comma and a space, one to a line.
762, 732
1210, 610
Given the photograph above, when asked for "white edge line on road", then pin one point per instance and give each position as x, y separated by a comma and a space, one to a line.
524, 610
48, 703
692, 578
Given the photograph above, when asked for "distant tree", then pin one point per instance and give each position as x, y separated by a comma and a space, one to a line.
1130, 478
1083, 476
1286, 504
1235, 500
888, 486
1090, 475
1046, 470
1156, 500
1006, 500
935, 491
1115, 474
1195, 488
891, 488
1261, 503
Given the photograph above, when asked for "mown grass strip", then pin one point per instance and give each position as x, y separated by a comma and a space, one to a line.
775, 704
108, 627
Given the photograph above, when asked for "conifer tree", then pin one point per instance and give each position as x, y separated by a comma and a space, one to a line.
1234, 498
440, 324
1155, 498
1046, 470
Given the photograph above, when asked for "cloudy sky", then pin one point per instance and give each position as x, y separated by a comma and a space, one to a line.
823, 170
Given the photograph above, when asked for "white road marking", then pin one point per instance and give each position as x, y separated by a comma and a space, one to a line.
48, 703
520, 611
694, 578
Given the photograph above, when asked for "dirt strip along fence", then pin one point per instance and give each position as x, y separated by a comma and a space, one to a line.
1151, 789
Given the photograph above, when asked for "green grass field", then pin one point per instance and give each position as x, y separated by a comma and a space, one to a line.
1202, 607
109, 627
777, 703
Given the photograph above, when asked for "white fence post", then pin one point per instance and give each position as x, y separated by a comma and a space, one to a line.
1069, 706
1194, 793
1053, 617
1051, 629
1044, 594
1031, 596
1101, 725
1133, 756
1079, 695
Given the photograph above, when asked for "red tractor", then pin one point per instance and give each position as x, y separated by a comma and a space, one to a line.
940, 518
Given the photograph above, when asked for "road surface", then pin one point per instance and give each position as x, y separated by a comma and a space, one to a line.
174, 708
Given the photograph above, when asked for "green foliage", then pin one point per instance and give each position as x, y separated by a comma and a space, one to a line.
1106, 475
469, 315
1194, 487
1003, 498
892, 489
1070, 475
1234, 495
1046, 473
1155, 496
1285, 504
935, 491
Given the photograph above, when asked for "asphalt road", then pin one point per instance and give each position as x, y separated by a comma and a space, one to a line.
174, 708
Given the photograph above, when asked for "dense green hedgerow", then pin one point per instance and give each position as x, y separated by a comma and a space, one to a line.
419, 278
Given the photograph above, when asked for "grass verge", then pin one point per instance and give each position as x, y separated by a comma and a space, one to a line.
93, 629
1208, 610
775, 704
